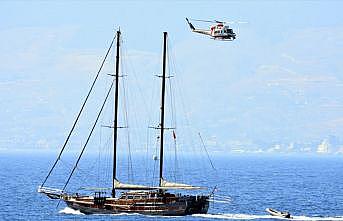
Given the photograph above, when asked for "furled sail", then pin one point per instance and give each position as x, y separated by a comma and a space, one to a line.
125, 186
164, 185
170, 185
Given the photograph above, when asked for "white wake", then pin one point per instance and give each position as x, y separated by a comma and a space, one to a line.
228, 216
69, 210
72, 211
252, 217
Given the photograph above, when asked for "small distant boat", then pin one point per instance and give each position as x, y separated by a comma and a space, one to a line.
282, 214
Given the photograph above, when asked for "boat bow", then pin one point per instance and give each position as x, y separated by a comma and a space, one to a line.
51, 192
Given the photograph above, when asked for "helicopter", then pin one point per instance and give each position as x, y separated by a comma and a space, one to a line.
218, 31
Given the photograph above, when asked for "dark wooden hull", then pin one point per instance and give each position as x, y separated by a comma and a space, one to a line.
169, 205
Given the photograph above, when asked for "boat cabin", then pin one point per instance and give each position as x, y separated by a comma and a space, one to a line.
138, 195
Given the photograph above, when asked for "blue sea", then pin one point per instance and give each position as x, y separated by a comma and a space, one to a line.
310, 187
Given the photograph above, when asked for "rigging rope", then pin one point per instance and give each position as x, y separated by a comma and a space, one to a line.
90, 134
172, 107
79, 114
108, 152
185, 125
125, 107
208, 156
99, 151
179, 123
155, 161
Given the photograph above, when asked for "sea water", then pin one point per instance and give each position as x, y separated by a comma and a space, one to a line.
310, 187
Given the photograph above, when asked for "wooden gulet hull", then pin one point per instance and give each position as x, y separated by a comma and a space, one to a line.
149, 200
172, 206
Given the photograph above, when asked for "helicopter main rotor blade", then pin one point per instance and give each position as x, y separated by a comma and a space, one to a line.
222, 22
236, 22
203, 20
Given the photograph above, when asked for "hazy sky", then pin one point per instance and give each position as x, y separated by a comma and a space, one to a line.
281, 80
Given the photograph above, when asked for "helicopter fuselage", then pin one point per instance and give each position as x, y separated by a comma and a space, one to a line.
220, 31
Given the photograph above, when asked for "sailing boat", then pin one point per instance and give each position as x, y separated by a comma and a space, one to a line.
131, 198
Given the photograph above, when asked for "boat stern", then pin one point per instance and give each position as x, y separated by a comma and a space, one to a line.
197, 204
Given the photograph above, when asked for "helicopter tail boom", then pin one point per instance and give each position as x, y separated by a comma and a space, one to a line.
190, 24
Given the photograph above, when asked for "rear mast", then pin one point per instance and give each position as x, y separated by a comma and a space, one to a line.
162, 105
115, 126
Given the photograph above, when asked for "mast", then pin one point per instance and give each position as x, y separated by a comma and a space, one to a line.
115, 126
162, 104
